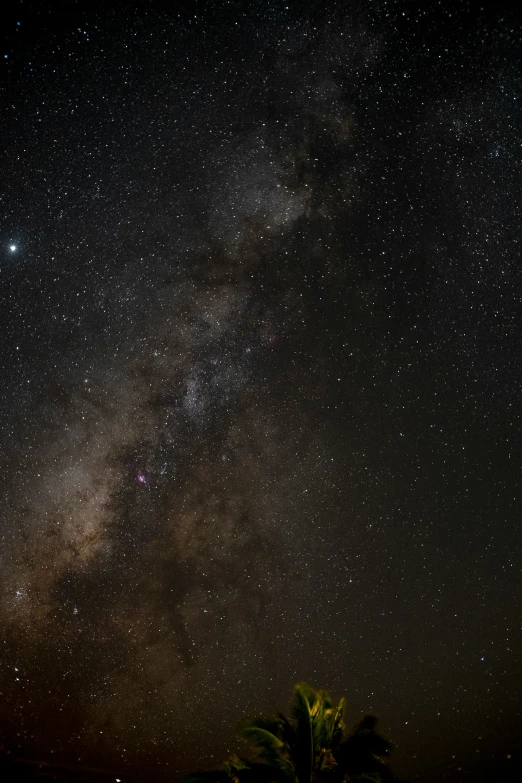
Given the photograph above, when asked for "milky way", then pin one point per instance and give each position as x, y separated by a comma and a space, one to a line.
261, 387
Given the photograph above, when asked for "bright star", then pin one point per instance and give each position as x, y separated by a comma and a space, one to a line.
12, 248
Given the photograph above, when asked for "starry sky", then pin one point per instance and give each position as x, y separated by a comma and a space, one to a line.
260, 296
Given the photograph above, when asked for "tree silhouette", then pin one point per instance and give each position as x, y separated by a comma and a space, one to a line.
302, 748
311, 746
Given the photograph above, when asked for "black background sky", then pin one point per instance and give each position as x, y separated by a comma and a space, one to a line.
261, 365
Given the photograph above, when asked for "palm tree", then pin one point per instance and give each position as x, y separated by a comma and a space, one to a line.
300, 749
311, 746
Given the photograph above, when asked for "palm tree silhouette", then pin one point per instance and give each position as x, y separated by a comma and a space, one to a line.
311, 746
301, 748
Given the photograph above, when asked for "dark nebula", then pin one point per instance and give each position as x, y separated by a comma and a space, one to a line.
260, 296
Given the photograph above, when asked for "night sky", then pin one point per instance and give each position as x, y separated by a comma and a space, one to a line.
261, 363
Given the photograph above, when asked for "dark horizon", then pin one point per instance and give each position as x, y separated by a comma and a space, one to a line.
22, 770
261, 306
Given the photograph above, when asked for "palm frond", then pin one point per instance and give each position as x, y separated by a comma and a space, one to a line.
234, 765
269, 723
271, 750
286, 729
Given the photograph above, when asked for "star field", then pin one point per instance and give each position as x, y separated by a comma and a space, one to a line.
260, 295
